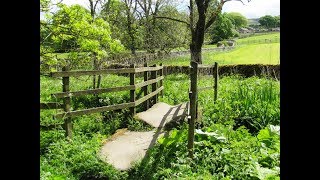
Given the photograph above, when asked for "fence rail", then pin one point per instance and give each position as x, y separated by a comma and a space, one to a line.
258, 41
104, 71
155, 80
51, 105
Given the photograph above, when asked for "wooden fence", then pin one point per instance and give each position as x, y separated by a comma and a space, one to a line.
155, 80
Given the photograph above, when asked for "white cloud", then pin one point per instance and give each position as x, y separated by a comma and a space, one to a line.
254, 9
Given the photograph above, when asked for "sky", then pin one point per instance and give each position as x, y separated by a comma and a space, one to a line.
253, 9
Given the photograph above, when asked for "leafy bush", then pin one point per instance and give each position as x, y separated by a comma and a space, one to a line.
76, 159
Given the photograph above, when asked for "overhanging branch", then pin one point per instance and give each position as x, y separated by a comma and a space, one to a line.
236, 0
173, 19
214, 15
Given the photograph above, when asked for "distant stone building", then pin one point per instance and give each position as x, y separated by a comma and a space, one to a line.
275, 29
243, 30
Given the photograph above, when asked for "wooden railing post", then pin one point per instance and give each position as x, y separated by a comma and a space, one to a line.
132, 92
216, 77
154, 85
145, 89
193, 106
67, 105
161, 81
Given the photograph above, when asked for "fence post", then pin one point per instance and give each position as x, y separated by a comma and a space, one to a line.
154, 85
161, 81
132, 92
94, 76
193, 106
216, 76
67, 105
145, 91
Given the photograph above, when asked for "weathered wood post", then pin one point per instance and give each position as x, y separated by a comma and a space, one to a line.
67, 105
132, 92
193, 106
216, 77
161, 81
94, 76
145, 89
154, 85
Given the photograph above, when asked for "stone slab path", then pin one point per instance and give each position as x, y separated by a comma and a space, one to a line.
124, 148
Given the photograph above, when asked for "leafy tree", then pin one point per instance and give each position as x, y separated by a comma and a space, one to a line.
222, 28
277, 18
130, 9
73, 31
268, 21
169, 34
125, 22
238, 20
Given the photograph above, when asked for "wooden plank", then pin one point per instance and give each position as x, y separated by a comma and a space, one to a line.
132, 92
151, 68
139, 101
193, 106
151, 81
94, 76
103, 71
216, 77
67, 105
93, 91
92, 72
204, 88
51, 105
95, 110
154, 86
145, 89
105, 90
161, 81
50, 127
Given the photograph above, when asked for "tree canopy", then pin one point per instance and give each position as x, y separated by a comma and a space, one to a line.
238, 20
269, 21
222, 28
72, 30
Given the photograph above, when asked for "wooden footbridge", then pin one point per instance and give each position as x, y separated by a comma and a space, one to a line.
126, 147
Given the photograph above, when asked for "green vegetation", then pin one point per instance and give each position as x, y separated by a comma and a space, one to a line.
269, 21
274, 37
242, 144
246, 54
250, 50
238, 20
250, 54
223, 28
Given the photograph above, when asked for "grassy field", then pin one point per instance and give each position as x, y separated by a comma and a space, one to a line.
253, 50
246, 54
245, 146
271, 36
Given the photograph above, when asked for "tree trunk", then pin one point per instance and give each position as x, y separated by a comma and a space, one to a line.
99, 76
131, 35
94, 76
196, 55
